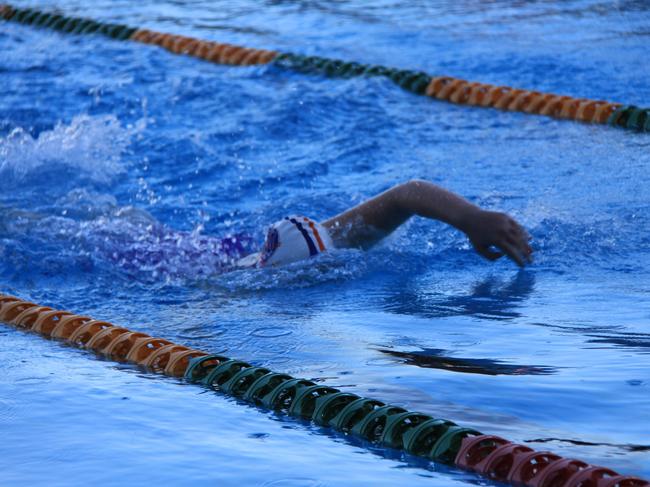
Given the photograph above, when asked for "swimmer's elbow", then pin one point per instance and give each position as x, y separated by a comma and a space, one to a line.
416, 182
416, 185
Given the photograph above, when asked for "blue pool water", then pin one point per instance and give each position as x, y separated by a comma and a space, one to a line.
120, 161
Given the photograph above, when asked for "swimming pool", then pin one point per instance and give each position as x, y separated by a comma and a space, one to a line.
104, 142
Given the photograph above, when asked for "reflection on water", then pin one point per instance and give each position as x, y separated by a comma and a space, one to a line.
628, 447
491, 298
639, 341
438, 359
605, 336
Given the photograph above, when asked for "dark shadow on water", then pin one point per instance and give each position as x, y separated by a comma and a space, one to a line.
626, 447
606, 337
640, 341
491, 298
437, 359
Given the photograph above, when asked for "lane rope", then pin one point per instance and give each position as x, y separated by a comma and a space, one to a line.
445, 88
389, 426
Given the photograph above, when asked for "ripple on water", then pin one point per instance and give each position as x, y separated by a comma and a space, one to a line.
7, 411
294, 482
381, 361
33, 381
199, 332
270, 332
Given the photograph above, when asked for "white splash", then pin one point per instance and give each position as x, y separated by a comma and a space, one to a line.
91, 145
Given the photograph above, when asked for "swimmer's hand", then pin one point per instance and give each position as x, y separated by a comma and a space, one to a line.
487, 230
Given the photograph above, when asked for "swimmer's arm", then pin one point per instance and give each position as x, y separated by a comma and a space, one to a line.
367, 223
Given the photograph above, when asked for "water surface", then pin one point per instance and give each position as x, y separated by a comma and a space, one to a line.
120, 163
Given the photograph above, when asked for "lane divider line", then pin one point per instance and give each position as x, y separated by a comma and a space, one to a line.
444, 88
419, 434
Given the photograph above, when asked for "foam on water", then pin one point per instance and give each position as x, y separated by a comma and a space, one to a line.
330, 268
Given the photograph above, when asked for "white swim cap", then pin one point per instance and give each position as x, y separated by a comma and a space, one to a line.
291, 239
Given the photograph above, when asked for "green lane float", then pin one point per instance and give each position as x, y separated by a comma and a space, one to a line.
442, 88
389, 426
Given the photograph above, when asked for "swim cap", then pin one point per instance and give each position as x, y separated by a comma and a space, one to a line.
291, 239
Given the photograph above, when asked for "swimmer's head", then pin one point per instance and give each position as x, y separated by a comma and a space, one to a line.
291, 239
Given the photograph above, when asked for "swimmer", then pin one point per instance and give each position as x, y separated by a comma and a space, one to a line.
134, 241
493, 234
